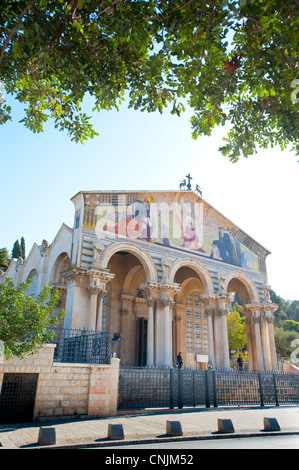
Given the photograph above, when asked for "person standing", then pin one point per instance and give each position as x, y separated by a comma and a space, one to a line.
240, 362
179, 360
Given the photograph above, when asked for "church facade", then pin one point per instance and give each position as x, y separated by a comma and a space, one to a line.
160, 268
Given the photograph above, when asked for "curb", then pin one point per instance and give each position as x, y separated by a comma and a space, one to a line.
103, 443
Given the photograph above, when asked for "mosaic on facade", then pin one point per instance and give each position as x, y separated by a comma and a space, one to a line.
180, 220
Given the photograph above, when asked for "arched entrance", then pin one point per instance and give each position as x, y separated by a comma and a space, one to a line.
190, 322
127, 310
58, 281
258, 321
190, 332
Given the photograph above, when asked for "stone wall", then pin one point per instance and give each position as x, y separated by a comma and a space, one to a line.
68, 389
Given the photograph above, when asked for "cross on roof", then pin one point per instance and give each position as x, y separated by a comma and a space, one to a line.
189, 184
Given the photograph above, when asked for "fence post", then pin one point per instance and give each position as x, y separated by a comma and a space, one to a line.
207, 383
194, 401
181, 389
171, 398
261, 389
215, 389
275, 390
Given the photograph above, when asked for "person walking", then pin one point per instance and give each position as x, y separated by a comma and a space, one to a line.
240, 362
179, 360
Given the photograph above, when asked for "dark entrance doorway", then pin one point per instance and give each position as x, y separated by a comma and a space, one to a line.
17, 398
141, 342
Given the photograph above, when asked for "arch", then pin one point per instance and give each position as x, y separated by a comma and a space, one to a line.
32, 289
200, 270
144, 258
251, 289
188, 285
61, 263
130, 276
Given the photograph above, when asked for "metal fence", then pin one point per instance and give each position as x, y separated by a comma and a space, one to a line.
82, 346
141, 388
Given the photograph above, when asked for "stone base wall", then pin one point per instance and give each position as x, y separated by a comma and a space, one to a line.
68, 389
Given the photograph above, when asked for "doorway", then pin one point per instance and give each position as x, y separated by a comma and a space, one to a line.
141, 341
17, 398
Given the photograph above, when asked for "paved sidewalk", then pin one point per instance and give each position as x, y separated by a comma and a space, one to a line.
150, 426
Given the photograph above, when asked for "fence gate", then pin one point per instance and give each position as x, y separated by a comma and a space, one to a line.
17, 398
141, 388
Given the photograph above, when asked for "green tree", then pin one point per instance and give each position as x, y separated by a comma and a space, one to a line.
283, 340
234, 61
16, 250
291, 325
25, 323
280, 315
4, 260
236, 330
23, 248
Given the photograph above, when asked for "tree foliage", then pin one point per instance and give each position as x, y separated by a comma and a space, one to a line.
25, 323
234, 61
283, 341
4, 260
236, 330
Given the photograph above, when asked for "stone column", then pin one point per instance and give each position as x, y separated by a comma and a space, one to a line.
225, 351
101, 295
92, 307
248, 325
270, 319
167, 292
97, 286
152, 294
256, 316
76, 286
253, 313
265, 342
210, 310
220, 332
210, 314
127, 327
167, 360
150, 332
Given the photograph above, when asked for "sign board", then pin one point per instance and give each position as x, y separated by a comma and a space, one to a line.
202, 358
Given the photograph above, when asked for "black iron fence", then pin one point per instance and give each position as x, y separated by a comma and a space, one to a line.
82, 346
141, 388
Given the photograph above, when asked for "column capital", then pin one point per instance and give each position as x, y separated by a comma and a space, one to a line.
167, 302
151, 302
269, 316
98, 279
169, 287
225, 298
222, 312
73, 273
269, 307
208, 298
254, 307
102, 275
93, 290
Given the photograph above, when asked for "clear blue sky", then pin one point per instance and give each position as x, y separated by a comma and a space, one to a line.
41, 172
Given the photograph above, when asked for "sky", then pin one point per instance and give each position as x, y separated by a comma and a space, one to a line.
148, 151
